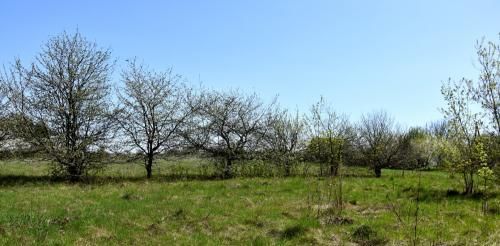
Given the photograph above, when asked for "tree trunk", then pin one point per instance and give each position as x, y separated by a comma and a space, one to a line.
149, 166
74, 171
287, 168
378, 171
333, 169
228, 172
469, 183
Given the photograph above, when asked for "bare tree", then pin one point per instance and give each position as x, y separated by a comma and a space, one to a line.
12, 86
227, 125
377, 140
153, 111
62, 101
284, 137
438, 129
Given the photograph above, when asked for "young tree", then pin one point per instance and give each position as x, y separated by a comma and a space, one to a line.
329, 132
62, 102
153, 109
464, 98
377, 140
486, 90
464, 130
227, 125
283, 138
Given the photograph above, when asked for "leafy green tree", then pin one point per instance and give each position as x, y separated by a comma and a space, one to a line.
324, 150
467, 123
466, 160
492, 148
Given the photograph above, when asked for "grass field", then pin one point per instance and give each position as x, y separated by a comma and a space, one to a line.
183, 205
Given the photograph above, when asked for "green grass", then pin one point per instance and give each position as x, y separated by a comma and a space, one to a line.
183, 205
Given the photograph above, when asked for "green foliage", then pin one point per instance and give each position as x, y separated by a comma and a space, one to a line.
326, 150
472, 111
465, 160
322, 149
452, 156
479, 155
486, 174
492, 149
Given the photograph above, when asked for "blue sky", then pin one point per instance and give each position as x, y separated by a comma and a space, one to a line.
360, 55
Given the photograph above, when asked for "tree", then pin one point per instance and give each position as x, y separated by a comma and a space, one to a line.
3, 114
228, 126
492, 148
464, 98
377, 140
283, 138
437, 129
62, 102
153, 109
408, 158
464, 130
486, 90
329, 131
418, 149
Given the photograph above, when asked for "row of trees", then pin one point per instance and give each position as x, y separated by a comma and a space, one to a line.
63, 105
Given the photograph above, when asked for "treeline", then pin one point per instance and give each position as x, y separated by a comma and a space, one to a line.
63, 105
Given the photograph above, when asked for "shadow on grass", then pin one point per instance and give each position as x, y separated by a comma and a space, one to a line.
20, 180
437, 195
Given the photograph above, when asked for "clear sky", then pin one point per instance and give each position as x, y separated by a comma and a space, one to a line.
360, 55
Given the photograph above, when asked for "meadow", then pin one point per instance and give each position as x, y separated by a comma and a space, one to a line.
185, 204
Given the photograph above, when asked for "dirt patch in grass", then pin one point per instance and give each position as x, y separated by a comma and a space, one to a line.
100, 233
